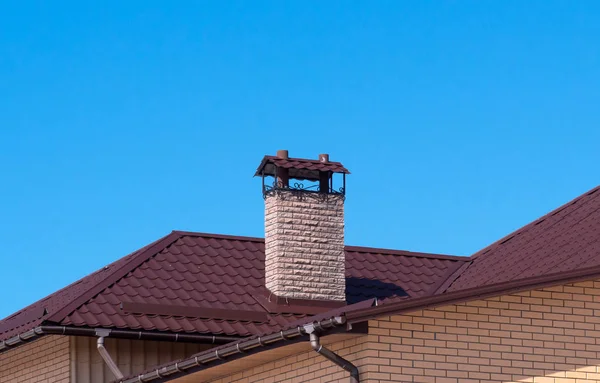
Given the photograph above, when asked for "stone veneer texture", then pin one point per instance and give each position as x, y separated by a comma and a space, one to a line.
304, 240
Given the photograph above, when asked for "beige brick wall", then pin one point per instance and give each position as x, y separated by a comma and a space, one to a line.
549, 335
44, 360
304, 246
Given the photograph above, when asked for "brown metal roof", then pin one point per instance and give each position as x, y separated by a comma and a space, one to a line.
565, 239
299, 168
357, 314
66, 298
561, 247
214, 275
220, 274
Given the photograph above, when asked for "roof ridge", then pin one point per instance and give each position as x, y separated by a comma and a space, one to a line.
533, 223
218, 236
523, 231
528, 268
142, 255
357, 249
76, 282
379, 250
300, 159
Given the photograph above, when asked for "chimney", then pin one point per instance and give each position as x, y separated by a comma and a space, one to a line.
304, 227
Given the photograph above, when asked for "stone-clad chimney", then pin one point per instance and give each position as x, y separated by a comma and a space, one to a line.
304, 227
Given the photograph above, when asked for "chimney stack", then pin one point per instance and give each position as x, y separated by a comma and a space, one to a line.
304, 227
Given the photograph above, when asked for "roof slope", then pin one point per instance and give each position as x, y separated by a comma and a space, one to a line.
566, 239
210, 271
68, 297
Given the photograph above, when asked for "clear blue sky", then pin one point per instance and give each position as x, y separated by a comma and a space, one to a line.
119, 122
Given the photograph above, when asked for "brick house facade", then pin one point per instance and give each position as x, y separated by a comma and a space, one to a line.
301, 306
547, 335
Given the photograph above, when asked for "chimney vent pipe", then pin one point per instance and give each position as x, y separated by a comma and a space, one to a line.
283, 154
324, 158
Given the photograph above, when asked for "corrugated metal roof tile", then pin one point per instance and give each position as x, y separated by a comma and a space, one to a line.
563, 240
201, 270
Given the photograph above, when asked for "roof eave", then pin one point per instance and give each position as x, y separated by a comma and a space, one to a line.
333, 321
42, 330
235, 350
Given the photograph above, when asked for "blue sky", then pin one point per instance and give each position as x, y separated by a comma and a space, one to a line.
121, 121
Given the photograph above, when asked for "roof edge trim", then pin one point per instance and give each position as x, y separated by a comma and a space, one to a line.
218, 236
137, 260
532, 223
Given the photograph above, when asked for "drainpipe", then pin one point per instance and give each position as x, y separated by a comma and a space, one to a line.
102, 333
335, 358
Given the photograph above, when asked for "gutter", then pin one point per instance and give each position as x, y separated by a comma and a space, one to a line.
114, 333
229, 352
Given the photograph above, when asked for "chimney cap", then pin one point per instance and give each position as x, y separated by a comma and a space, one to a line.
299, 168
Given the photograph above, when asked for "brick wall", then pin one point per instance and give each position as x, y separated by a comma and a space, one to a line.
44, 360
549, 335
304, 246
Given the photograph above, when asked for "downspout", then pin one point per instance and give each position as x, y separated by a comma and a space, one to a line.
102, 333
335, 358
